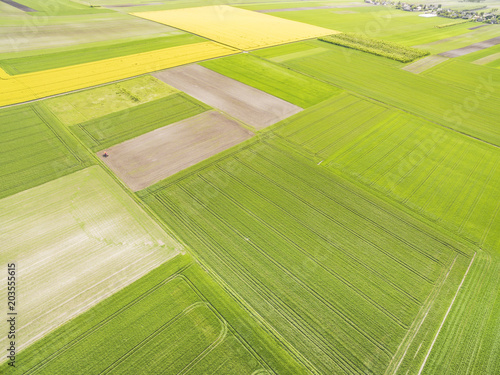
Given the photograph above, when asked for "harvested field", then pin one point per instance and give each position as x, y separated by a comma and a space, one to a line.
472, 48
422, 65
76, 241
30, 86
487, 59
21, 38
147, 159
243, 102
236, 27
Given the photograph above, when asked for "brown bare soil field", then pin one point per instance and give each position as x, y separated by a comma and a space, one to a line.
487, 59
149, 158
22, 7
247, 104
422, 65
472, 48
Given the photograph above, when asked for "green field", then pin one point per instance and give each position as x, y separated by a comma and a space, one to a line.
48, 60
35, 149
289, 238
379, 78
174, 320
100, 133
286, 84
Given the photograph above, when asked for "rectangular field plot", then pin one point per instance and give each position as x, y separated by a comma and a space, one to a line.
30, 86
295, 88
239, 28
149, 158
174, 320
86, 105
352, 284
34, 150
76, 241
247, 104
451, 179
117, 127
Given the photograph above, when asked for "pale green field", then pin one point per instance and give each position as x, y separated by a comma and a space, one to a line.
76, 241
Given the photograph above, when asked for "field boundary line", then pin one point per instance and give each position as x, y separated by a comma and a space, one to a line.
446, 315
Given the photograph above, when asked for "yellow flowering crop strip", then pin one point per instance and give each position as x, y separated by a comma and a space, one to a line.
236, 27
30, 86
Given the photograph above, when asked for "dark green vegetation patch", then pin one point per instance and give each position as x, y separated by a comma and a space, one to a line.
378, 47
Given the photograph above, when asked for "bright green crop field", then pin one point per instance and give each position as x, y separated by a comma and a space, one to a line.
120, 126
35, 148
345, 279
274, 79
379, 78
360, 235
174, 320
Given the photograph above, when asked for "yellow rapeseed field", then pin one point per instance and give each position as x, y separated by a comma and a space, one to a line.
30, 86
236, 27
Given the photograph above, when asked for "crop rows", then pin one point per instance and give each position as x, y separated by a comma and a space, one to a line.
443, 175
424, 96
378, 47
34, 150
120, 126
328, 126
290, 245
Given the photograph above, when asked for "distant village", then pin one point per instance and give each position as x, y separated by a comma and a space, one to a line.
477, 14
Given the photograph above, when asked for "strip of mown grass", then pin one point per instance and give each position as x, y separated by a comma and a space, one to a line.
286, 84
35, 148
120, 126
378, 47
348, 281
48, 60
175, 319
376, 77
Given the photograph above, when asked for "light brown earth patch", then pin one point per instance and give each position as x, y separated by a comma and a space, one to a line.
422, 65
149, 158
245, 103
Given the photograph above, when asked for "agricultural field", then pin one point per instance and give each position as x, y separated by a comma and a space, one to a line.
295, 88
247, 104
86, 105
29, 86
426, 97
236, 27
102, 132
35, 149
78, 239
289, 236
248, 187
202, 331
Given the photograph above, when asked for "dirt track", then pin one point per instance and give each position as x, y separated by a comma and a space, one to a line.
149, 158
19, 6
241, 101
